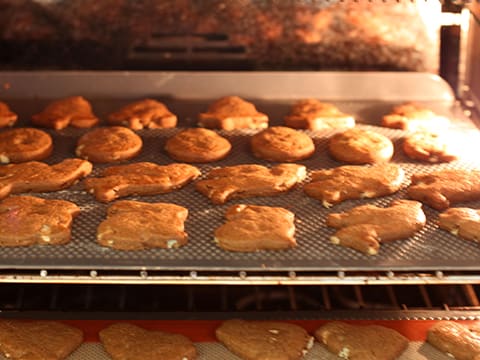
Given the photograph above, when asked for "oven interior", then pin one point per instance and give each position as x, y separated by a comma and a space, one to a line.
30, 41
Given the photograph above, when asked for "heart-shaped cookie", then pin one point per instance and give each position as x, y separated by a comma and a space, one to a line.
124, 341
33, 340
264, 340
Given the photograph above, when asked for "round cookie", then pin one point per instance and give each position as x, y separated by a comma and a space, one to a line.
109, 144
282, 144
197, 145
428, 147
356, 146
24, 144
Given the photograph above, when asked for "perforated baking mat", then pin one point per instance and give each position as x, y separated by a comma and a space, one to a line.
202, 334
429, 249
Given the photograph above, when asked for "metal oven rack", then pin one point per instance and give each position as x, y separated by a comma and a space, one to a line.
433, 257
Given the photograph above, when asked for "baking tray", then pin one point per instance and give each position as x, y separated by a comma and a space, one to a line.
413, 325
366, 95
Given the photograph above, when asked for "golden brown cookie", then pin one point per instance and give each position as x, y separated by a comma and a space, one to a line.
147, 113
282, 144
251, 228
429, 147
458, 341
141, 178
414, 117
364, 227
353, 342
332, 186
74, 111
356, 146
134, 225
463, 222
38, 340
124, 341
109, 144
443, 188
232, 112
24, 144
313, 114
34, 176
7, 116
243, 181
197, 145
45, 222
254, 340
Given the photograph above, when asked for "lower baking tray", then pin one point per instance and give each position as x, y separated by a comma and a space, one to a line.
413, 325
430, 249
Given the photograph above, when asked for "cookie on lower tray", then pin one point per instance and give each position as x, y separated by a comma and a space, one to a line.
332, 186
357, 146
35, 176
442, 188
255, 340
354, 342
282, 144
135, 225
38, 340
24, 144
109, 144
124, 341
197, 145
428, 147
415, 117
313, 114
364, 227
461, 342
143, 178
249, 180
251, 228
232, 112
463, 222
73, 111
7, 116
146, 113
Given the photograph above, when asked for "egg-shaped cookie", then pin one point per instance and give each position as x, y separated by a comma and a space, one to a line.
24, 144
282, 144
109, 144
428, 147
357, 146
197, 145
